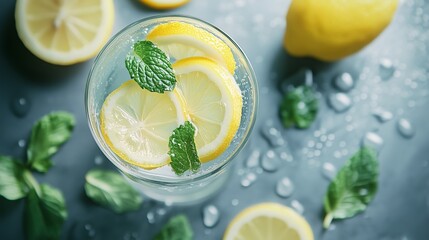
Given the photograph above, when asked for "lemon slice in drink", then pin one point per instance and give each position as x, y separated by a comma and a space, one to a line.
64, 32
213, 103
164, 4
181, 40
137, 124
268, 221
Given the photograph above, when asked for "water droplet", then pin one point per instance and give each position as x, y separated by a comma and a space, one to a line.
337, 154
235, 202
311, 144
297, 206
20, 106
98, 160
382, 115
284, 155
329, 171
248, 179
332, 227
22, 143
151, 217
210, 216
323, 138
363, 192
270, 161
331, 137
284, 187
319, 146
90, 230
161, 211
405, 128
344, 82
372, 140
387, 69
340, 102
253, 160
272, 134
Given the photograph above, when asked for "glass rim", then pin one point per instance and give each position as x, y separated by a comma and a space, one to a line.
126, 167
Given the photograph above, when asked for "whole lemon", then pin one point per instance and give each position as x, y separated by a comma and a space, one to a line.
332, 29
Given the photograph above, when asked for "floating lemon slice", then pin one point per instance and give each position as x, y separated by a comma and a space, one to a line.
64, 32
213, 103
268, 221
137, 124
181, 40
164, 4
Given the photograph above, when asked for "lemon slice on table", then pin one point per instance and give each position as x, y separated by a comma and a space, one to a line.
268, 221
213, 103
64, 32
181, 40
164, 4
137, 124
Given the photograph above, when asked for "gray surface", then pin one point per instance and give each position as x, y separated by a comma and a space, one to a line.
401, 207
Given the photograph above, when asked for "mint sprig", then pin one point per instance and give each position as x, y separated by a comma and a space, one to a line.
150, 67
177, 228
299, 107
353, 188
47, 135
183, 152
110, 190
12, 185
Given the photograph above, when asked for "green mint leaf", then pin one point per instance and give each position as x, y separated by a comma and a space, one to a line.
353, 188
12, 184
44, 214
177, 228
48, 134
150, 67
183, 152
299, 108
111, 190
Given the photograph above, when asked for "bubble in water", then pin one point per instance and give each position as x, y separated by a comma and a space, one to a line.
284, 187
98, 160
235, 202
340, 102
297, 206
253, 159
382, 115
372, 140
20, 106
270, 161
248, 179
210, 216
387, 69
272, 134
22, 143
405, 128
329, 171
151, 217
344, 82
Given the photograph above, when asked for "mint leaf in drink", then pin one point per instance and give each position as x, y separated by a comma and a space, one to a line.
177, 228
12, 184
183, 152
47, 135
353, 188
299, 107
150, 67
112, 191
44, 214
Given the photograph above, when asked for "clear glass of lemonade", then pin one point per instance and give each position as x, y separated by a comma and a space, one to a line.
109, 73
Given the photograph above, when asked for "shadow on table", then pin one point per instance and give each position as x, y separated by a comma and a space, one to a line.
23, 61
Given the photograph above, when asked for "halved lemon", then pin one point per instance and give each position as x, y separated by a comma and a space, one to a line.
137, 124
213, 103
164, 4
181, 40
268, 221
64, 32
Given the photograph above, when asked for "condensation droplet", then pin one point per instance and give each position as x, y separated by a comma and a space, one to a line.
344, 82
382, 115
372, 140
329, 171
387, 69
151, 217
20, 106
405, 128
253, 159
211, 216
284, 187
270, 161
297, 206
98, 160
248, 179
340, 102
22, 143
235, 202
272, 134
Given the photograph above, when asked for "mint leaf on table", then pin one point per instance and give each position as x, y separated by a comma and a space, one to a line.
150, 67
111, 190
47, 135
299, 107
177, 228
12, 184
44, 214
353, 188
183, 152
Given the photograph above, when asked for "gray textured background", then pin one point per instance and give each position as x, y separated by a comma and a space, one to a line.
401, 207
